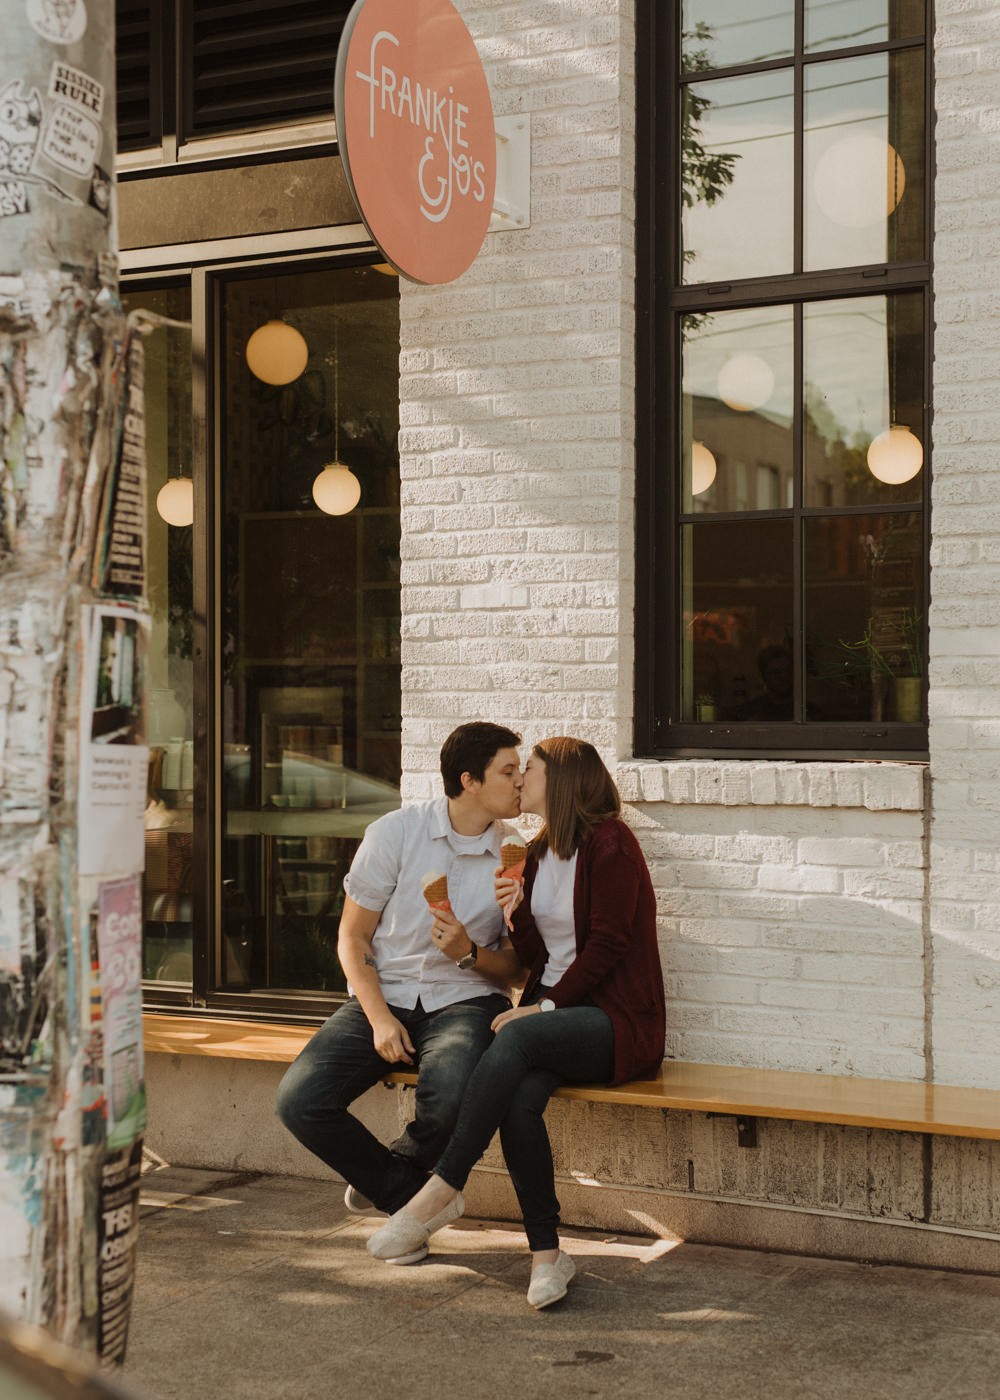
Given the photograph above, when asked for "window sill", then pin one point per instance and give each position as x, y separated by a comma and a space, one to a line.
726, 782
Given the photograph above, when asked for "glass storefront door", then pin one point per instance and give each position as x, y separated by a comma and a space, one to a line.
299, 739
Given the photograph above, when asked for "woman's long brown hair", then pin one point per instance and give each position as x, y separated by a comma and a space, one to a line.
579, 793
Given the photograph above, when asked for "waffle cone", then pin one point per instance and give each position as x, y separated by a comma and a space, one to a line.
436, 891
512, 854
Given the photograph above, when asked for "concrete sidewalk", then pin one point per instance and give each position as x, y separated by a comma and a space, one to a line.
261, 1288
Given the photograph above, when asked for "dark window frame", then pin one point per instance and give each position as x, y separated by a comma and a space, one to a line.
207, 282
661, 301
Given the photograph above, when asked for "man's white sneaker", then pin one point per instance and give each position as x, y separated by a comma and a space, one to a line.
550, 1282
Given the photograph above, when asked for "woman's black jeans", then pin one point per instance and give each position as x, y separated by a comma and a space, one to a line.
510, 1088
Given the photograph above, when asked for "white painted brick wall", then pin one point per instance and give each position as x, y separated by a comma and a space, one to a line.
965, 617
792, 895
517, 392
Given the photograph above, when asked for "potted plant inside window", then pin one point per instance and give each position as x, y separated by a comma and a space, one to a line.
704, 707
894, 661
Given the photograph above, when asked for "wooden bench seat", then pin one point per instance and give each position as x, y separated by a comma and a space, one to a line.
894, 1105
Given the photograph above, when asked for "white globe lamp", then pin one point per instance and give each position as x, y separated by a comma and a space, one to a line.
859, 181
703, 468
336, 490
175, 501
277, 353
745, 382
895, 456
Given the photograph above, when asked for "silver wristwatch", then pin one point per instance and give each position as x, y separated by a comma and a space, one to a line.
470, 958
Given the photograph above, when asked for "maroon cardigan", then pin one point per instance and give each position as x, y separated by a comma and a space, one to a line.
617, 963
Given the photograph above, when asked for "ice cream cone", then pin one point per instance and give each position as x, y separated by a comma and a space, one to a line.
512, 853
435, 889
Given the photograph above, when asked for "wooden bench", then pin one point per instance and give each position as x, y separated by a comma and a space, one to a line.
746, 1094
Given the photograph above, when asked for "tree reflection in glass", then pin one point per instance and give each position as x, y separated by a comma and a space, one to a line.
746, 123
720, 33
864, 370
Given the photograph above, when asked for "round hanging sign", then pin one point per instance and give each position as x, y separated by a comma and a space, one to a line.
416, 134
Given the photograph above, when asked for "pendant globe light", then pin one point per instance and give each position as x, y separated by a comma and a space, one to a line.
745, 382
175, 501
703, 468
276, 352
896, 454
336, 490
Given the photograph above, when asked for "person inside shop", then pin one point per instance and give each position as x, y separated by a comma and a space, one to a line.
592, 1009
412, 1004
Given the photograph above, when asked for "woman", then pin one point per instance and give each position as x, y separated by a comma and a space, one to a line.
592, 1010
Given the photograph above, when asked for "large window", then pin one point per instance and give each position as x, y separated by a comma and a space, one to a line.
784, 419
275, 655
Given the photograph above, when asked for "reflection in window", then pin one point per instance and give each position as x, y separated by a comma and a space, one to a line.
864, 620
863, 377
310, 614
737, 617
167, 886
717, 33
864, 154
737, 410
737, 177
836, 24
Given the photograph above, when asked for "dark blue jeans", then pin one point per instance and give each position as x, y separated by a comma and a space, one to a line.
341, 1062
510, 1089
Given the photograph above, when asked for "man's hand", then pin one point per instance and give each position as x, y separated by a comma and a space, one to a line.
516, 1014
392, 1040
449, 935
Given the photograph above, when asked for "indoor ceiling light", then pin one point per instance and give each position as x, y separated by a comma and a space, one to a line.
277, 353
745, 382
859, 180
175, 501
703, 468
896, 455
336, 489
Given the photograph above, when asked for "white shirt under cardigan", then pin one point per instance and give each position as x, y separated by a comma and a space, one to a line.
397, 850
552, 911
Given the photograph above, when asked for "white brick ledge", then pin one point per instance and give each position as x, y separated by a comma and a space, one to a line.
877, 786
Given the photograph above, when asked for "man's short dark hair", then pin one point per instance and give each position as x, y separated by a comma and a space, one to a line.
471, 748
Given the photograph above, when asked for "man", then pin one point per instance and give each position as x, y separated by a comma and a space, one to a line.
416, 999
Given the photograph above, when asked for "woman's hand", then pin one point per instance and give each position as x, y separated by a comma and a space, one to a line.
507, 890
449, 935
517, 1014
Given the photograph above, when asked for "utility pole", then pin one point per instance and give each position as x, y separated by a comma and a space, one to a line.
72, 630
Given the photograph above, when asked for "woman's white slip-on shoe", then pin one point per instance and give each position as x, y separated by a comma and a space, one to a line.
404, 1234
549, 1282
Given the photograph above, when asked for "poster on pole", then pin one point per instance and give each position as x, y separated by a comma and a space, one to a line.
119, 939
120, 557
113, 754
118, 1234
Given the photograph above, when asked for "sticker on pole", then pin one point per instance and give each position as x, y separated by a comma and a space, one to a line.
416, 133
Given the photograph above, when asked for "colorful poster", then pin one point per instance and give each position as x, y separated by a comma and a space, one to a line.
119, 939
113, 755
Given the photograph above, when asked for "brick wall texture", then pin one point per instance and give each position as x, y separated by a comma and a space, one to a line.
806, 920
965, 620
